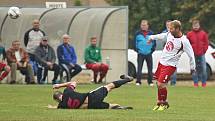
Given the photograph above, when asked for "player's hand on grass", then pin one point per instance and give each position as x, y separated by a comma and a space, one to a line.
51, 106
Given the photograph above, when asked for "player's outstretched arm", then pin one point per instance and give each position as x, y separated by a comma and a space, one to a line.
51, 106
66, 84
162, 36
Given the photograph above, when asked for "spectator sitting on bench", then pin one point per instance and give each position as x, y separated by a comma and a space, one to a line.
67, 58
17, 58
45, 57
93, 60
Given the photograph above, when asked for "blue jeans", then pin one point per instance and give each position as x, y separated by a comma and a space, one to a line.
140, 60
33, 63
173, 78
201, 72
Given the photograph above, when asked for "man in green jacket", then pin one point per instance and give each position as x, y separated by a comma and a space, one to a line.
93, 60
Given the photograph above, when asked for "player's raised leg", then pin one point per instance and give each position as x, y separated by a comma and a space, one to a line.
124, 79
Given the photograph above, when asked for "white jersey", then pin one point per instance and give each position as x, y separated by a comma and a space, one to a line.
34, 41
174, 48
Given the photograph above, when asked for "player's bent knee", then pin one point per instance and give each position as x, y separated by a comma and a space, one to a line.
109, 86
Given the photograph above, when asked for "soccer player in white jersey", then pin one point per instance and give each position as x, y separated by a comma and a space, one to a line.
176, 44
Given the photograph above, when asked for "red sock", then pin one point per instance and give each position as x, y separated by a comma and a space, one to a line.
162, 94
3, 75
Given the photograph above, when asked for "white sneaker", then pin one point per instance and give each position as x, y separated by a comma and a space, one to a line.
92, 81
138, 84
151, 85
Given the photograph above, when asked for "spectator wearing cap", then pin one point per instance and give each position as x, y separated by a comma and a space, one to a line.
45, 57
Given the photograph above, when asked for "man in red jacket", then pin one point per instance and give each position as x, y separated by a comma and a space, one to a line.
199, 42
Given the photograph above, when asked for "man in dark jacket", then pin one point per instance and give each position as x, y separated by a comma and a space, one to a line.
199, 41
67, 58
144, 51
46, 58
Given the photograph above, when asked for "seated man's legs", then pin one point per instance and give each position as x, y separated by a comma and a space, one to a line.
28, 72
67, 70
75, 70
95, 67
103, 71
56, 68
71, 71
42, 74
33, 63
4, 70
13, 72
31, 73
39, 75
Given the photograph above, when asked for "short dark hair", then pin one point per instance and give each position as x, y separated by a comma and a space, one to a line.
14, 41
56, 96
195, 21
44, 38
93, 38
144, 20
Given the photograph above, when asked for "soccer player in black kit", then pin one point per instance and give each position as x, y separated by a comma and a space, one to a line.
70, 99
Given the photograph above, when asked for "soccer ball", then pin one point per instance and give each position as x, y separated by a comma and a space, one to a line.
14, 12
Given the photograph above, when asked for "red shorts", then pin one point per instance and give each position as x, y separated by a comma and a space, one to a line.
163, 73
2, 66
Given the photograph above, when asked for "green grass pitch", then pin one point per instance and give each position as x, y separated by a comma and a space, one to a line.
27, 103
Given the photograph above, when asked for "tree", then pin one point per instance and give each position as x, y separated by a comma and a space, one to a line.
155, 11
78, 3
158, 11
202, 10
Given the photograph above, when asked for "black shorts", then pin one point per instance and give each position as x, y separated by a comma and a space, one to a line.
96, 97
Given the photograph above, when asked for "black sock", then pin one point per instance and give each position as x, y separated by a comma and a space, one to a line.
120, 82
